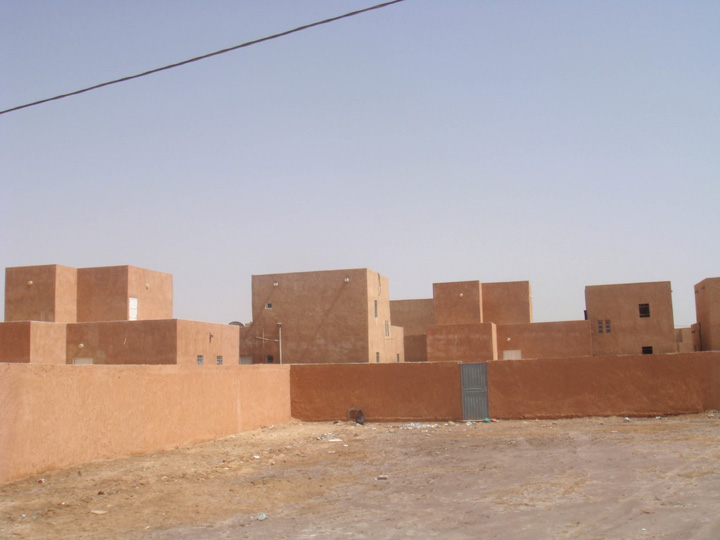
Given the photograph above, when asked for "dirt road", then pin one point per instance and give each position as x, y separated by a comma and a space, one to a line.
597, 478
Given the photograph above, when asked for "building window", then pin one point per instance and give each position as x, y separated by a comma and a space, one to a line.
268, 306
644, 310
218, 360
200, 359
647, 350
600, 326
607, 326
377, 357
269, 359
376, 309
398, 357
387, 328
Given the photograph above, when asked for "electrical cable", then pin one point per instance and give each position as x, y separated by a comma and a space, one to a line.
204, 56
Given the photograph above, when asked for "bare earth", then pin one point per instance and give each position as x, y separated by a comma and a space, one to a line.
596, 478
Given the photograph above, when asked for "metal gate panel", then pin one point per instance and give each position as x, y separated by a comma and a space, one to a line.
473, 379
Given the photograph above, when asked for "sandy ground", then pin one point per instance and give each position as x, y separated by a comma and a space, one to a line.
597, 478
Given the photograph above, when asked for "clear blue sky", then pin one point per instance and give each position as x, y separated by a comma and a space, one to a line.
561, 142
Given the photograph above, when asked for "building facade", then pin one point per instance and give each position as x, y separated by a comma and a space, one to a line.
333, 316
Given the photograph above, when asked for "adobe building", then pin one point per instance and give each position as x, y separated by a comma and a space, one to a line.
631, 318
333, 316
106, 315
707, 307
471, 321
56, 293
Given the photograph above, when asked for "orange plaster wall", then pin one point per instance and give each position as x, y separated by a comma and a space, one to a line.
416, 348
102, 294
15, 341
707, 307
413, 315
123, 342
462, 342
208, 339
604, 386
546, 340
508, 302
50, 297
264, 396
324, 318
630, 332
458, 302
58, 415
385, 392
154, 291
47, 343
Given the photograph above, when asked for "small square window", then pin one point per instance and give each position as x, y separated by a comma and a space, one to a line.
644, 310
647, 350
268, 305
218, 360
607, 326
377, 357
387, 328
269, 359
398, 357
600, 326
200, 359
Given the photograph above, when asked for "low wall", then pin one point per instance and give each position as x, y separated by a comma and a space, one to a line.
642, 385
385, 392
58, 415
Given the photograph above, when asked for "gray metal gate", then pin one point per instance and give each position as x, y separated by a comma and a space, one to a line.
473, 378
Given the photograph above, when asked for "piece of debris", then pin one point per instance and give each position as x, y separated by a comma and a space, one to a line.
256, 457
334, 440
98, 512
382, 477
626, 419
262, 517
355, 413
101, 492
41, 481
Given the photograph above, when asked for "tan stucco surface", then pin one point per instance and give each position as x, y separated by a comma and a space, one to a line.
462, 342
384, 392
707, 306
59, 415
546, 340
629, 332
604, 386
458, 302
507, 302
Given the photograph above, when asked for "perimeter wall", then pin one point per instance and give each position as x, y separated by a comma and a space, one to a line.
637, 385
384, 392
549, 388
55, 416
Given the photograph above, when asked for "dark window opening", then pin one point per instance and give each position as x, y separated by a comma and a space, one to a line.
268, 306
607, 326
647, 350
644, 310
398, 357
218, 360
200, 359
377, 357
600, 326
269, 359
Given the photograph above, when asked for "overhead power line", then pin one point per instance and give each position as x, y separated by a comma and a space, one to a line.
204, 56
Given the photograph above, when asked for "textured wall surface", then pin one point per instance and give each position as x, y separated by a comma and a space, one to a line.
58, 415
641, 385
384, 392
